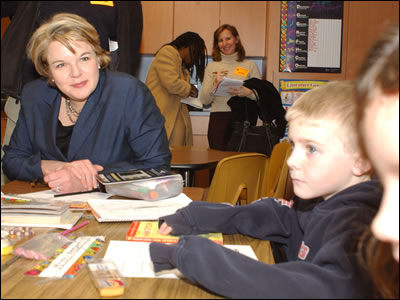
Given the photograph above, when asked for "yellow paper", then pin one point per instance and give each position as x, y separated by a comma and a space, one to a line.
241, 71
106, 3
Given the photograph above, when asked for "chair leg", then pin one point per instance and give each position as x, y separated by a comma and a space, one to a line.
243, 197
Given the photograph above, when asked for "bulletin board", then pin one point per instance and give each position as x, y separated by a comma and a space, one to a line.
311, 36
291, 89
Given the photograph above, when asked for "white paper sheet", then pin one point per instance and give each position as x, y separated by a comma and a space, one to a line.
195, 102
133, 259
224, 86
324, 43
117, 210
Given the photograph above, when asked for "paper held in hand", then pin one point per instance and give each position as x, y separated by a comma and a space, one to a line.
223, 87
195, 102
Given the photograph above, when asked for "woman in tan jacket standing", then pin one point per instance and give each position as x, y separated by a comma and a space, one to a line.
168, 79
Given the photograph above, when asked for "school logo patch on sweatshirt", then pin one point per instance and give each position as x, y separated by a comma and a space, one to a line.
285, 202
303, 252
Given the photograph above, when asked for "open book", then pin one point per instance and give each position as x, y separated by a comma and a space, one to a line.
195, 102
223, 87
115, 210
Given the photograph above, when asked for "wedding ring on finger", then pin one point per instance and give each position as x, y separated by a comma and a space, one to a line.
57, 189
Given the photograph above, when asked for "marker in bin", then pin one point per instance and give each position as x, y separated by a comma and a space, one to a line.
143, 192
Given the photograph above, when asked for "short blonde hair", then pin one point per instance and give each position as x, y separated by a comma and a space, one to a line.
63, 28
332, 101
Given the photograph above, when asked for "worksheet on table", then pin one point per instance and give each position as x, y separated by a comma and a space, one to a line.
133, 259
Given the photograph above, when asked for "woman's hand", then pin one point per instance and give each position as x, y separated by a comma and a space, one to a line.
62, 181
193, 91
165, 229
74, 176
218, 76
241, 91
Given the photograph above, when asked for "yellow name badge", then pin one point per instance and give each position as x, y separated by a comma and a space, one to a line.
106, 3
241, 71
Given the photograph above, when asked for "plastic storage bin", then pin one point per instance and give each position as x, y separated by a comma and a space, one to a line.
149, 189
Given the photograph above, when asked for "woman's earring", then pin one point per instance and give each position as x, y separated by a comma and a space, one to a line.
98, 66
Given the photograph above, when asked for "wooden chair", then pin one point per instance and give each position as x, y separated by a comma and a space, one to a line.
276, 171
237, 173
274, 184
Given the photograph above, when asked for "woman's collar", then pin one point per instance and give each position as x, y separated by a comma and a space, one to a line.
229, 58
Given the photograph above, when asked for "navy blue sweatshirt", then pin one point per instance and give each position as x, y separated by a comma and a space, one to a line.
320, 244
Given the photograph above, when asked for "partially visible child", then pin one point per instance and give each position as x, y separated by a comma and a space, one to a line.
319, 243
377, 91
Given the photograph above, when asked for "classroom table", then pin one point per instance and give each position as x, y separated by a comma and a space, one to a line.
188, 159
14, 284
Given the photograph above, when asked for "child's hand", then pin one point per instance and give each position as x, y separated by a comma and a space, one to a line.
165, 229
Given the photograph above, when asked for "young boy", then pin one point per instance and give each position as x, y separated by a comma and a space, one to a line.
319, 243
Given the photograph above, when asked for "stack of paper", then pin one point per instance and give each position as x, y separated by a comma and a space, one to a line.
224, 85
19, 211
121, 210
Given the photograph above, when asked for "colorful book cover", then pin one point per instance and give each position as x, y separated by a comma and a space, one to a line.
147, 231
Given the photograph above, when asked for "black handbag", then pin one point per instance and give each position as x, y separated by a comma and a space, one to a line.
248, 138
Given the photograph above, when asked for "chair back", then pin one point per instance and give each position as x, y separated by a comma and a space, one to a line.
235, 173
276, 171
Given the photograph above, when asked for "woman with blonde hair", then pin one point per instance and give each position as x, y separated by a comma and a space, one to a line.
82, 118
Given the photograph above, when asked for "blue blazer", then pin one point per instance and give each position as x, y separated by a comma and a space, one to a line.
120, 127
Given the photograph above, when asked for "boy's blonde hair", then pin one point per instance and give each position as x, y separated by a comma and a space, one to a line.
63, 28
332, 101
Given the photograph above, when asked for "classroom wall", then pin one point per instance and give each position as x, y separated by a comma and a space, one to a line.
258, 21
362, 23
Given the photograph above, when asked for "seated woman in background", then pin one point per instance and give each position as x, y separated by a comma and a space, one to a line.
168, 79
83, 118
229, 60
377, 90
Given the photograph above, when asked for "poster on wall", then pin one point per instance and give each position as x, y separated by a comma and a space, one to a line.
311, 36
291, 89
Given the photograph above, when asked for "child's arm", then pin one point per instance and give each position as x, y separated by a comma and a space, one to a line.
264, 219
234, 275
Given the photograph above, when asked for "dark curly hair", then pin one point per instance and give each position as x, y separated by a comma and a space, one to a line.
197, 50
